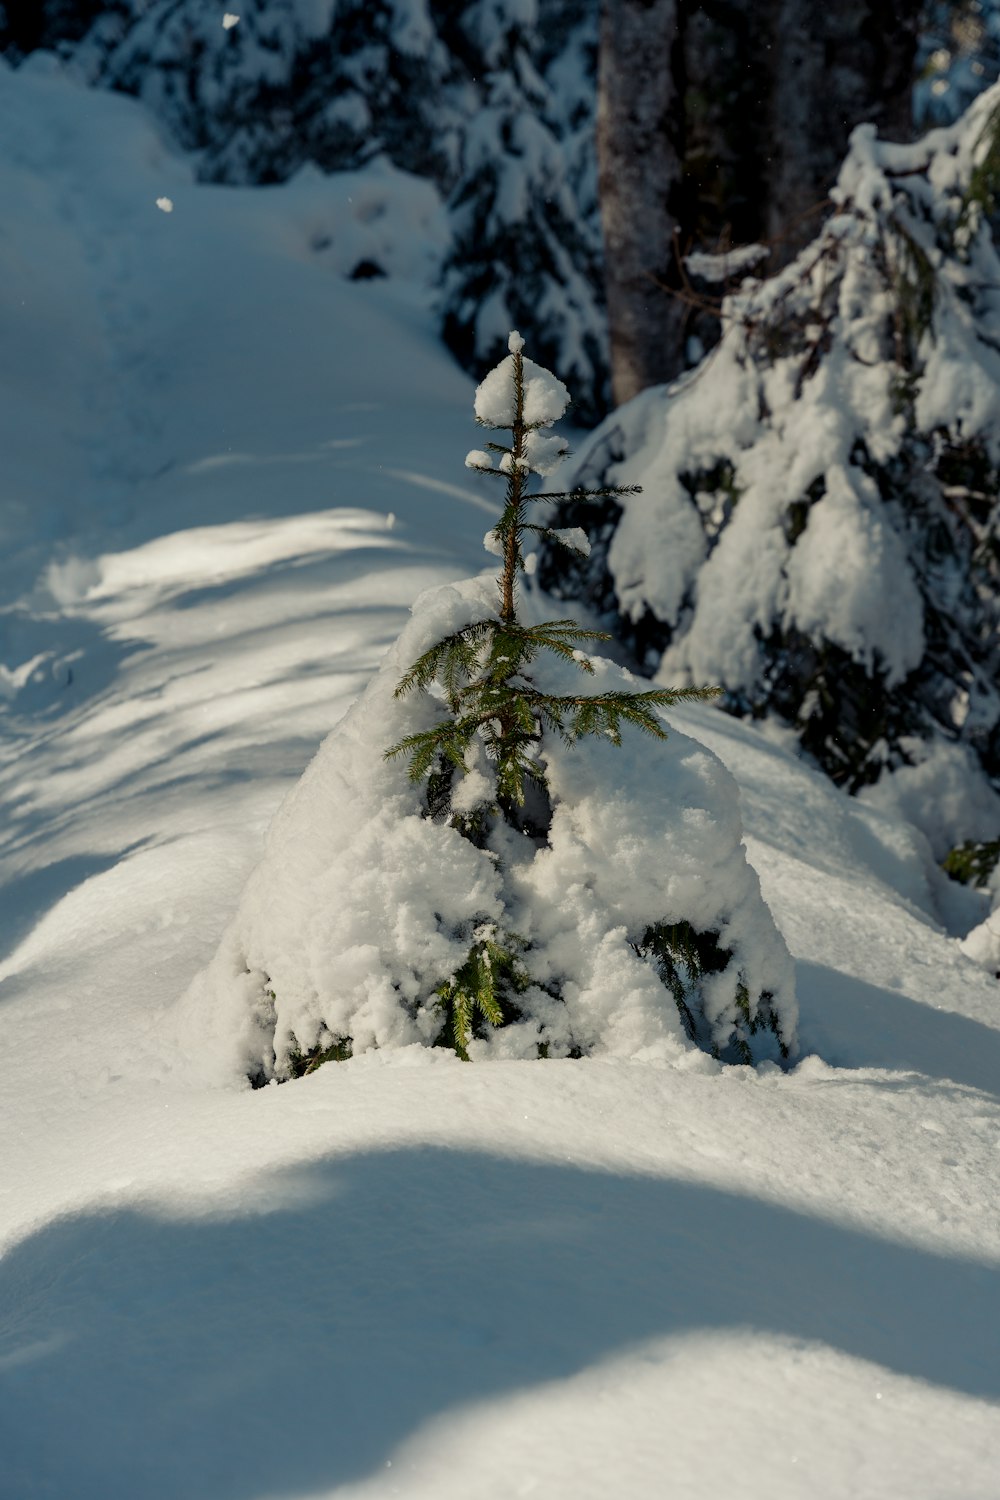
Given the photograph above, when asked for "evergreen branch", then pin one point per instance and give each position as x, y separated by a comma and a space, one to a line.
487, 468
561, 637
604, 491
568, 630
635, 707
680, 695
450, 738
984, 179
425, 669
461, 1022
490, 975
421, 748
551, 535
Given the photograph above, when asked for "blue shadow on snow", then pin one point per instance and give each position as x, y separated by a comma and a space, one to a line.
850, 1023
291, 1349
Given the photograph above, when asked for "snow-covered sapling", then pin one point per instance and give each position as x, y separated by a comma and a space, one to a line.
497, 714
480, 858
482, 669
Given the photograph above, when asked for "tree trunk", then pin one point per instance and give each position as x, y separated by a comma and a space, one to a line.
722, 122
835, 66
640, 145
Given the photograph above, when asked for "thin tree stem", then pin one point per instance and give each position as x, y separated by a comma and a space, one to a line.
512, 547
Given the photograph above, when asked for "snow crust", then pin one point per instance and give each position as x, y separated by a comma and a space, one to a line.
574, 537
942, 791
982, 944
723, 267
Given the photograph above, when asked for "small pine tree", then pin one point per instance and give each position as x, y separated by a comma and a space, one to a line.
483, 669
515, 876
484, 674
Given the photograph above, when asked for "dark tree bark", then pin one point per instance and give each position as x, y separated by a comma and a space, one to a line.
835, 66
640, 147
724, 122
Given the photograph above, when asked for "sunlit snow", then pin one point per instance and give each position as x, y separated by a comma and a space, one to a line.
403, 1275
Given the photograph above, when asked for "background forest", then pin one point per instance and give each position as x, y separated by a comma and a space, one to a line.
585, 164
709, 128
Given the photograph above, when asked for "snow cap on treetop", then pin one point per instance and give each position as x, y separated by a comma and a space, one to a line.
545, 397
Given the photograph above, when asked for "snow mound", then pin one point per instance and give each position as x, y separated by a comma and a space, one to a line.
363, 906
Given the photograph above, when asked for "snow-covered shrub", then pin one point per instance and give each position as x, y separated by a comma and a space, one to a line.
479, 858
978, 864
817, 529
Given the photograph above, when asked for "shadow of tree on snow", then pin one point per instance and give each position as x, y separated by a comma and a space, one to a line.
294, 1347
853, 1024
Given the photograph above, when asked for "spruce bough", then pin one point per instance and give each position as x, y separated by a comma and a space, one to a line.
483, 673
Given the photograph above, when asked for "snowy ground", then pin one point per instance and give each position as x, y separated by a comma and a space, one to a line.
227, 473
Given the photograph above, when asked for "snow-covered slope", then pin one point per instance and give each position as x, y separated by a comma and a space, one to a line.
401, 1275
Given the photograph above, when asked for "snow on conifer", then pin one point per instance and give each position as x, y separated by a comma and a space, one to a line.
526, 247
455, 96
487, 855
817, 527
295, 81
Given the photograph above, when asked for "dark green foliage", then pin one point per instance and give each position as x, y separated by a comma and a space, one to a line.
302, 1063
484, 989
973, 863
526, 248
483, 673
914, 283
275, 91
683, 958
483, 670
984, 179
